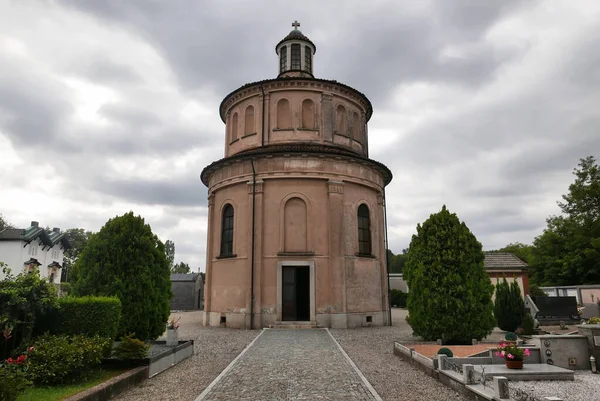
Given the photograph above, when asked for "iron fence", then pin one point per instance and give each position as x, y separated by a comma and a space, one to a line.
451, 365
476, 377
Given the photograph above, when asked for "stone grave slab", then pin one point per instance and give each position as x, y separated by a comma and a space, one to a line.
530, 371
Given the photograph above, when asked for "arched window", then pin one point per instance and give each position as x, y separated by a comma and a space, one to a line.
234, 127
340, 120
249, 123
295, 56
364, 230
308, 59
283, 59
308, 114
356, 127
227, 231
284, 116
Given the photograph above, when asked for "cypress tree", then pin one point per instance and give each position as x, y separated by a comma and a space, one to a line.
509, 308
450, 291
125, 259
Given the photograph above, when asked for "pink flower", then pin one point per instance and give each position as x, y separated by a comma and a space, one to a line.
527, 353
510, 356
502, 353
497, 353
502, 345
31, 349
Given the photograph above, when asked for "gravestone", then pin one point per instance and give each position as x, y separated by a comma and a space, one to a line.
553, 310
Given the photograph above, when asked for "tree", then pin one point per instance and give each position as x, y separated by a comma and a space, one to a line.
568, 251
450, 291
182, 268
127, 260
3, 223
397, 261
509, 308
78, 238
536, 291
170, 251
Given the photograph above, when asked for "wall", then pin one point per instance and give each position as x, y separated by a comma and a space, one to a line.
14, 255
185, 295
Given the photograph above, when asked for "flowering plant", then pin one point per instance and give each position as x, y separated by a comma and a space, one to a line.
12, 376
510, 351
173, 324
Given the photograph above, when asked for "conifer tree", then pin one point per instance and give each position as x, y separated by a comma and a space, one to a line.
509, 308
127, 260
450, 291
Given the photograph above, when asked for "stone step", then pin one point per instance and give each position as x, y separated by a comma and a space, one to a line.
293, 325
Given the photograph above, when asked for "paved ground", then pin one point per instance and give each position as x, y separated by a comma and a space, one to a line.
291, 365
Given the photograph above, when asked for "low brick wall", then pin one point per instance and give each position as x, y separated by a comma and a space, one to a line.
110, 388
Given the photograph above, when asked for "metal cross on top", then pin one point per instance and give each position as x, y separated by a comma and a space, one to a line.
295, 24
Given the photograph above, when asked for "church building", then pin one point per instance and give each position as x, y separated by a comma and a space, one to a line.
296, 222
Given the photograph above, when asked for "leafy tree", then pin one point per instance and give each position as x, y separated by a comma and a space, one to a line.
125, 259
450, 291
397, 262
182, 268
78, 238
568, 251
170, 251
4, 224
509, 308
536, 291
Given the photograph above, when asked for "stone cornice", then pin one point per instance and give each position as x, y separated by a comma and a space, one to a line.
332, 87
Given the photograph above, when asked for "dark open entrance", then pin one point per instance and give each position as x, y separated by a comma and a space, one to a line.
296, 293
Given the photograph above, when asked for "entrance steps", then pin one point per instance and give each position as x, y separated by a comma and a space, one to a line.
293, 325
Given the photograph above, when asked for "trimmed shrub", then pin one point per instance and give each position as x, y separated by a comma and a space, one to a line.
445, 351
398, 298
89, 316
450, 295
131, 348
510, 336
528, 325
65, 359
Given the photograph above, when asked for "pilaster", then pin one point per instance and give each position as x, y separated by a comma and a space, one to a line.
328, 116
209, 257
258, 248
337, 271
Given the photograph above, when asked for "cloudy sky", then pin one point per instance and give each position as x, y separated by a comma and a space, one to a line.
108, 106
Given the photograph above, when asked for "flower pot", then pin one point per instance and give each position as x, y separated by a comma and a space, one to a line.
512, 364
172, 338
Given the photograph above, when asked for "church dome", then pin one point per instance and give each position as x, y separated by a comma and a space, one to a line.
297, 35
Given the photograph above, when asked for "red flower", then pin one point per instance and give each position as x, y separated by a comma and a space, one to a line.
9, 360
31, 349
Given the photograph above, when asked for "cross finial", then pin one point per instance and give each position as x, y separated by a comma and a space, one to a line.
295, 24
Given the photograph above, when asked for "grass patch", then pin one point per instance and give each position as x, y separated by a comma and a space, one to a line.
56, 393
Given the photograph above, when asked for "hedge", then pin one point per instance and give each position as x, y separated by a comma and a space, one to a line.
89, 316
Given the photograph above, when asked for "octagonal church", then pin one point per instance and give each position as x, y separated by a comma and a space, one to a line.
296, 229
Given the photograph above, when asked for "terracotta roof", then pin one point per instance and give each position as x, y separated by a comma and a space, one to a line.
503, 261
296, 34
369, 110
297, 147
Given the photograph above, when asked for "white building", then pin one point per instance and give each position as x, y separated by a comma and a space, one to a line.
23, 249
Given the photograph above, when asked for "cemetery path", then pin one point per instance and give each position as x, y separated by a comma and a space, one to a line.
303, 364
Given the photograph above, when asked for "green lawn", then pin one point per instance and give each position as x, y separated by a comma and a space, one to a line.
61, 392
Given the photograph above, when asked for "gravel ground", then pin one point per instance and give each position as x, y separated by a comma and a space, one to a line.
585, 387
214, 349
371, 349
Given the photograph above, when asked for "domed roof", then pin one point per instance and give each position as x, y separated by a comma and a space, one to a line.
296, 34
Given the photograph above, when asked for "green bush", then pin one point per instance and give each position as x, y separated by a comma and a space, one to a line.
510, 336
528, 324
65, 288
594, 320
125, 259
60, 359
398, 298
131, 348
509, 308
450, 290
89, 315
445, 351
536, 291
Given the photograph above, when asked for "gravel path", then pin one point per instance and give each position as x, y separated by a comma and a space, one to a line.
585, 387
371, 349
214, 349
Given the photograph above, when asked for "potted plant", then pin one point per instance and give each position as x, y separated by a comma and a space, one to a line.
172, 326
512, 354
